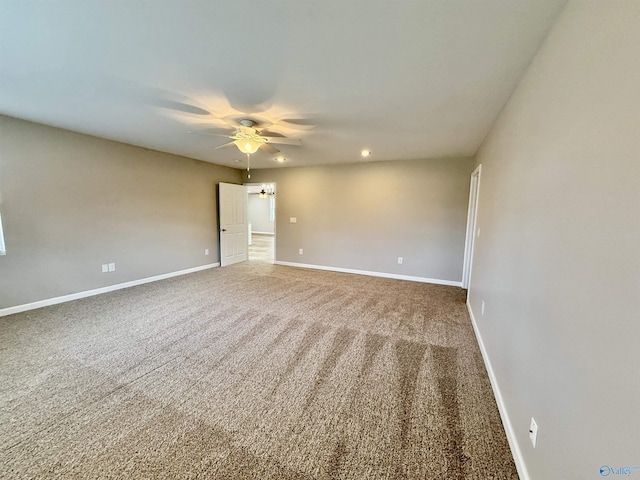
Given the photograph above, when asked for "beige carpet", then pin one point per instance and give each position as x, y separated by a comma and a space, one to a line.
253, 371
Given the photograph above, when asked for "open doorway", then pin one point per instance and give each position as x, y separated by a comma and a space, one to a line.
474, 191
261, 211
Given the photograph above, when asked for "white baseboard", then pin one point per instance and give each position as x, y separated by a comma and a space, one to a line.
263, 233
372, 274
98, 291
502, 408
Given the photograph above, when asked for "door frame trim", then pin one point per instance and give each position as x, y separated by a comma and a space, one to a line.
472, 225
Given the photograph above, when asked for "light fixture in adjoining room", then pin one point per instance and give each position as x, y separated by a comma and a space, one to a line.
365, 153
280, 159
266, 191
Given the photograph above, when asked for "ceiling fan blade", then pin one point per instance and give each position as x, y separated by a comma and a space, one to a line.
303, 122
225, 145
182, 107
212, 123
284, 140
269, 133
268, 148
208, 134
215, 130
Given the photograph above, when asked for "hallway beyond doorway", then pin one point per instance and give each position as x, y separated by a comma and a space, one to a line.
261, 248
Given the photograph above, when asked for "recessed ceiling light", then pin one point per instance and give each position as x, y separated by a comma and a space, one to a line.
365, 153
280, 159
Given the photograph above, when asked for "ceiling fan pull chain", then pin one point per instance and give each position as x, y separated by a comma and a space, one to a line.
248, 166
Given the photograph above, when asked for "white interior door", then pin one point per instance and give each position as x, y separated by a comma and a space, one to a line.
232, 203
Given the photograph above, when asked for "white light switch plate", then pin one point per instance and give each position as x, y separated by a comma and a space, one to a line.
112, 267
293, 220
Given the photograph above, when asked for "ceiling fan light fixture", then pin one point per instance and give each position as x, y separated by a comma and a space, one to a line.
248, 145
365, 153
280, 159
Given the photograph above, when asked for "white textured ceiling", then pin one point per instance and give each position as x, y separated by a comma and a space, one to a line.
406, 79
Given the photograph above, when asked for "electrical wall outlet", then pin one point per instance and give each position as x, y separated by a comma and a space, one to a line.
533, 432
105, 267
206, 251
400, 260
112, 267
300, 251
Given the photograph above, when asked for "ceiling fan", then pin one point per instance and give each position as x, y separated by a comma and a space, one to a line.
249, 139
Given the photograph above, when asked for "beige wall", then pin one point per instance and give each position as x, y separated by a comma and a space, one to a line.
364, 216
72, 202
558, 258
